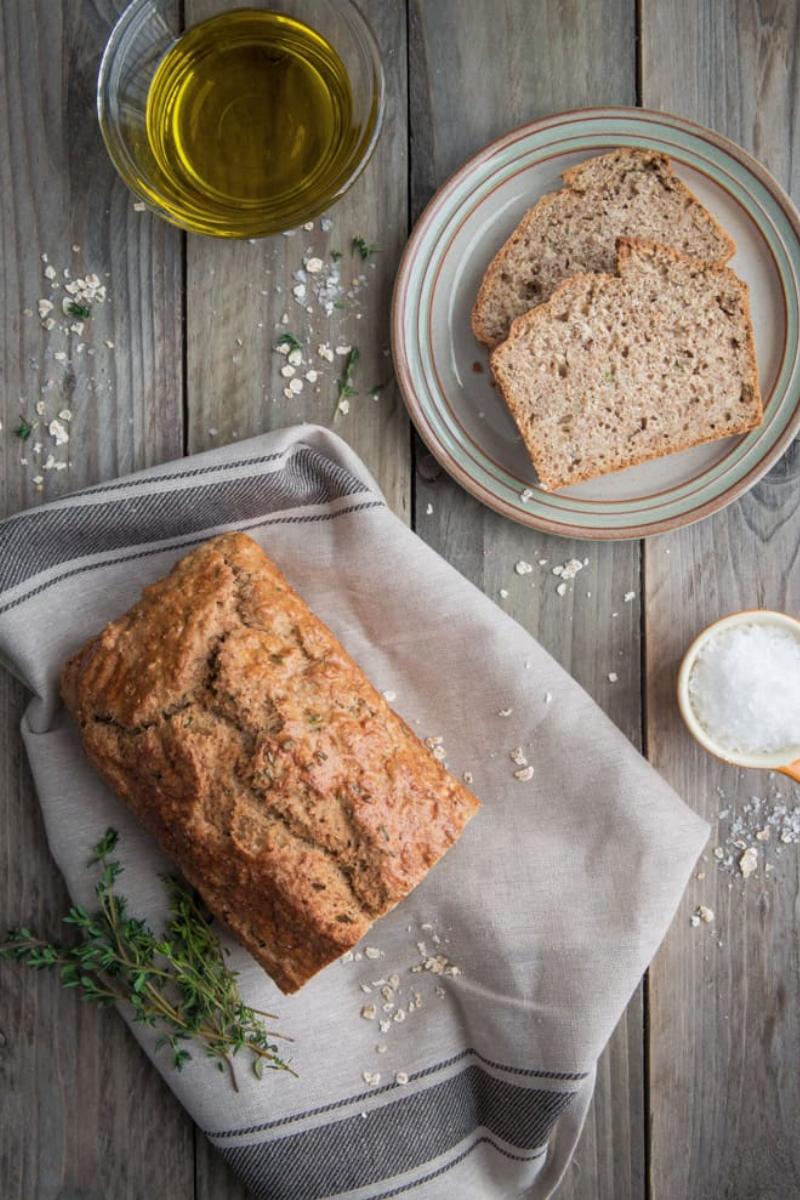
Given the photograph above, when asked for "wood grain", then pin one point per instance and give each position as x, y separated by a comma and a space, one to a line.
553, 56
724, 1009
82, 1114
240, 291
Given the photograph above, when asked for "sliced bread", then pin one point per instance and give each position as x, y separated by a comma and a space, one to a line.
627, 193
617, 369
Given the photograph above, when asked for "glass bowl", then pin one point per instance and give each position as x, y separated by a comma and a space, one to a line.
147, 29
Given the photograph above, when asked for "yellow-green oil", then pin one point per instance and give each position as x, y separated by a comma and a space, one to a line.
249, 121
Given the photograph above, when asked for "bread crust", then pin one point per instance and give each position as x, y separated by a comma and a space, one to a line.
248, 742
542, 312
571, 178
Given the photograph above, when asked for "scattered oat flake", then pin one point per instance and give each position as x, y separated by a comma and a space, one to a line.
562, 589
311, 376
372, 952
467, 777
57, 430
324, 351
762, 835
50, 272
287, 371
522, 567
44, 307
295, 386
524, 774
139, 206
373, 1078
503, 593
612, 676
108, 342
748, 861
314, 265
705, 914
518, 756
295, 357
401, 1077
369, 1012
381, 1048
505, 712
60, 356
342, 350
569, 569
389, 697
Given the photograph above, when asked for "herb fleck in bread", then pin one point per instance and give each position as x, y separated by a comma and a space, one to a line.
627, 193
617, 369
254, 749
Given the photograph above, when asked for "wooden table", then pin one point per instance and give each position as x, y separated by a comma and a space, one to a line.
698, 1095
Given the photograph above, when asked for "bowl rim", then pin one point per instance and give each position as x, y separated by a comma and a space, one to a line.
773, 761
121, 164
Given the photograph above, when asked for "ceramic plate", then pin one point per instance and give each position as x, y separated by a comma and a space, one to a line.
443, 371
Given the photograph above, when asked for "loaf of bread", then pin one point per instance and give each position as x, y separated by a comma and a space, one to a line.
627, 193
617, 369
233, 723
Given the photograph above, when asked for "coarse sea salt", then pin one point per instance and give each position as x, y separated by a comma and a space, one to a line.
744, 688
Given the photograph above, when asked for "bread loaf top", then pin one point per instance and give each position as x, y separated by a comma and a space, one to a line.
626, 193
617, 369
243, 736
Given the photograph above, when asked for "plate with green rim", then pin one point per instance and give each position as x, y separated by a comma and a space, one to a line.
444, 372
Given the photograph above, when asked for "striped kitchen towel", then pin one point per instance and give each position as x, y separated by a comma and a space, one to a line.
545, 913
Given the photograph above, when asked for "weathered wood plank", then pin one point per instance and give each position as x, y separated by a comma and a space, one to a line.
239, 290
724, 1012
81, 1111
477, 70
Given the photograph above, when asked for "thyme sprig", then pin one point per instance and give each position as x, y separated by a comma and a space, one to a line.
178, 983
344, 384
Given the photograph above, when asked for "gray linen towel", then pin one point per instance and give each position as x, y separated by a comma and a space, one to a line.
551, 905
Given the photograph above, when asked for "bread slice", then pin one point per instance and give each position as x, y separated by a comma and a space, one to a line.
627, 193
617, 369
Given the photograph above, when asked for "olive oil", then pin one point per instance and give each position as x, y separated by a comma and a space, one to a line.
249, 121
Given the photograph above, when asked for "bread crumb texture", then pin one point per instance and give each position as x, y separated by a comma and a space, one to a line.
618, 369
627, 193
255, 750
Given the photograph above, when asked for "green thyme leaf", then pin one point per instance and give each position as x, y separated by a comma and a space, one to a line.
344, 385
23, 430
364, 248
288, 339
77, 310
336, 255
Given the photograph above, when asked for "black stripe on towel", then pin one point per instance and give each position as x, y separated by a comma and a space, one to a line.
42, 539
359, 1151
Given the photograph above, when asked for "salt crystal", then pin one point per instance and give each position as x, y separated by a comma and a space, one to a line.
744, 687
522, 567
